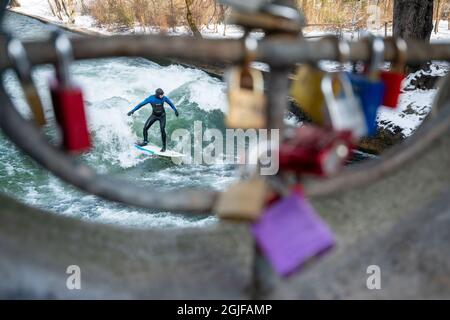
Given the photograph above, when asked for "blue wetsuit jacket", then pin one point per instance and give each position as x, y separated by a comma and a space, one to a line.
155, 100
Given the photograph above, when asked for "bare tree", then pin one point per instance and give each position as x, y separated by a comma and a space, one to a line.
190, 19
172, 15
438, 16
14, 3
63, 9
413, 19
222, 17
84, 7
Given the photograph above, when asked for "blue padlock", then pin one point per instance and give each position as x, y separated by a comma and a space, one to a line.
369, 88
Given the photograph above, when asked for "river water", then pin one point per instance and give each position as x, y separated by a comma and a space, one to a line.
111, 87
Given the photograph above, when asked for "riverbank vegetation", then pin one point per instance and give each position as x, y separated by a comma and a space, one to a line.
196, 15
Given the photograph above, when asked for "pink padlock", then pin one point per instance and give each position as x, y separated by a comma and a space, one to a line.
289, 233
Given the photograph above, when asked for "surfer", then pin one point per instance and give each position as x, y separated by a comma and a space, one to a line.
159, 114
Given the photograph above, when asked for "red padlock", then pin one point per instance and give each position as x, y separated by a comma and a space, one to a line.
316, 150
68, 103
393, 79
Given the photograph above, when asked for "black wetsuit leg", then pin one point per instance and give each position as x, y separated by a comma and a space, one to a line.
162, 125
150, 121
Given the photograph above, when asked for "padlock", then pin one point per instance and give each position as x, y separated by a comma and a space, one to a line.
289, 233
68, 103
317, 151
18, 57
306, 88
307, 93
345, 110
393, 79
243, 200
369, 88
343, 107
247, 107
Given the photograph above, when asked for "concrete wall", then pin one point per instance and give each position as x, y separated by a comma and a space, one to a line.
400, 223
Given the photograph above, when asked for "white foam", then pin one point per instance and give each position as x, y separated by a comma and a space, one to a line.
136, 79
113, 86
139, 220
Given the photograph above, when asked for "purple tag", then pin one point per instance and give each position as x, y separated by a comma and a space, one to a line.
290, 232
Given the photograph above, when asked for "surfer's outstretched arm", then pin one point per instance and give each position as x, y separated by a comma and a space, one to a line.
140, 105
171, 105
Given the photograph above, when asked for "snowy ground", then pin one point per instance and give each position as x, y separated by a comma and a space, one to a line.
41, 8
414, 105
442, 36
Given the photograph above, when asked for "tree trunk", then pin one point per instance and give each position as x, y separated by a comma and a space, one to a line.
222, 18
55, 8
84, 7
172, 18
438, 16
69, 10
413, 20
190, 20
14, 3
304, 5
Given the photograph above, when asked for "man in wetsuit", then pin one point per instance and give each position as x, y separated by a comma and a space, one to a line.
159, 114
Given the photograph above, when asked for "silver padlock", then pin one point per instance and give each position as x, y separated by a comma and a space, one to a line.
22, 66
344, 109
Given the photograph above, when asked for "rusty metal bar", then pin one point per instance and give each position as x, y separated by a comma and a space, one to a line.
281, 52
275, 51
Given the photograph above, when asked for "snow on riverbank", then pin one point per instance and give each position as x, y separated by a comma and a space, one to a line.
42, 9
414, 104
442, 36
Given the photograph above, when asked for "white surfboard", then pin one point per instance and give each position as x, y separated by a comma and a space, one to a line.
155, 150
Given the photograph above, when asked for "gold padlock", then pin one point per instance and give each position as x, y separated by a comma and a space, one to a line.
18, 57
307, 93
244, 200
34, 101
247, 107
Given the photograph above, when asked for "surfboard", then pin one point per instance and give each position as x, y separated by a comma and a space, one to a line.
155, 150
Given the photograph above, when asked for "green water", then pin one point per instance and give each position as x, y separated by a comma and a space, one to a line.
111, 88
